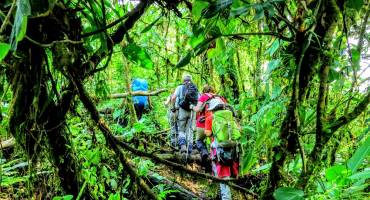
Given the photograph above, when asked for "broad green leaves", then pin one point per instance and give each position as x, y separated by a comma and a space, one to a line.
215, 7
242, 7
273, 64
4, 49
220, 48
336, 173
66, 197
20, 22
184, 60
287, 193
198, 49
138, 55
355, 4
150, 26
361, 153
197, 8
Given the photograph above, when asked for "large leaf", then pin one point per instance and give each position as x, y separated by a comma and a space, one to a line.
273, 64
361, 175
184, 60
201, 47
356, 4
248, 160
239, 8
138, 55
20, 22
287, 193
336, 172
196, 40
198, 7
361, 153
216, 7
150, 26
4, 49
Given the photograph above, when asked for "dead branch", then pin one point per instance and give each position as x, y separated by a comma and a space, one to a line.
347, 118
136, 93
182, 192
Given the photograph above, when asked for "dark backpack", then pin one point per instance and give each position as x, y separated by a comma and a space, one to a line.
189, 96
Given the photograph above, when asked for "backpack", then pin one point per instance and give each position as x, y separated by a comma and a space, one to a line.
140, 85
189, 96
227, 135
205, 106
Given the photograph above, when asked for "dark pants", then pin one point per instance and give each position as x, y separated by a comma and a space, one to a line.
139, 109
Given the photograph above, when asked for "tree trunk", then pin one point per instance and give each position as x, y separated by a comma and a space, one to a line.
306, 57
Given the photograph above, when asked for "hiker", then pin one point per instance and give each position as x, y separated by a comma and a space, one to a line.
201, 109
185, 95
141, 103
223, 130
172, 116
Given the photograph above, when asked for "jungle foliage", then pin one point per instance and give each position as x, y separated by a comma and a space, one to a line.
297, 72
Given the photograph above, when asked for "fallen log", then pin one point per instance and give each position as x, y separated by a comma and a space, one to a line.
181, 193
136, 93
177, 157
7, 143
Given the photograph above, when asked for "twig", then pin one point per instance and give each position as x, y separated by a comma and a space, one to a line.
346, 118
6, 20
105, 28
53, 42
258, 33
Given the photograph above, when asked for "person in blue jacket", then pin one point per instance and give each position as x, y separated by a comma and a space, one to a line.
141, 103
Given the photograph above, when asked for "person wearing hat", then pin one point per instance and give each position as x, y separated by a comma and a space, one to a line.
185, 95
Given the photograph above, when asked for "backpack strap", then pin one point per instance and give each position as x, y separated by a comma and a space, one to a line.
211, 96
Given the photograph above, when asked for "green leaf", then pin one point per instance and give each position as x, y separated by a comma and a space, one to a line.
150, 26
248, 160
275, 46
336, 172
4, 49
23, 29
196, 40
184, 60
138, 55
20, 22
259, 12
355, 4
239, 8
333, 75
355, 55
65, 197
198, 7
361, 175
197, 29
361, 153
216, 7
113, 184
287, 193
273, 64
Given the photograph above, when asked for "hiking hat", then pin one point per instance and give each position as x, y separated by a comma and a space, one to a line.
214, 103
186, 77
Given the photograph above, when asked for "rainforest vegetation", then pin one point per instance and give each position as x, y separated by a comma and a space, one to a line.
297, 72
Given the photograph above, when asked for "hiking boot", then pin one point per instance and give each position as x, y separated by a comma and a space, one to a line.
183, 152
183, 149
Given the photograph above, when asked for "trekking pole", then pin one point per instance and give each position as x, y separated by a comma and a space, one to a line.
188, 135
